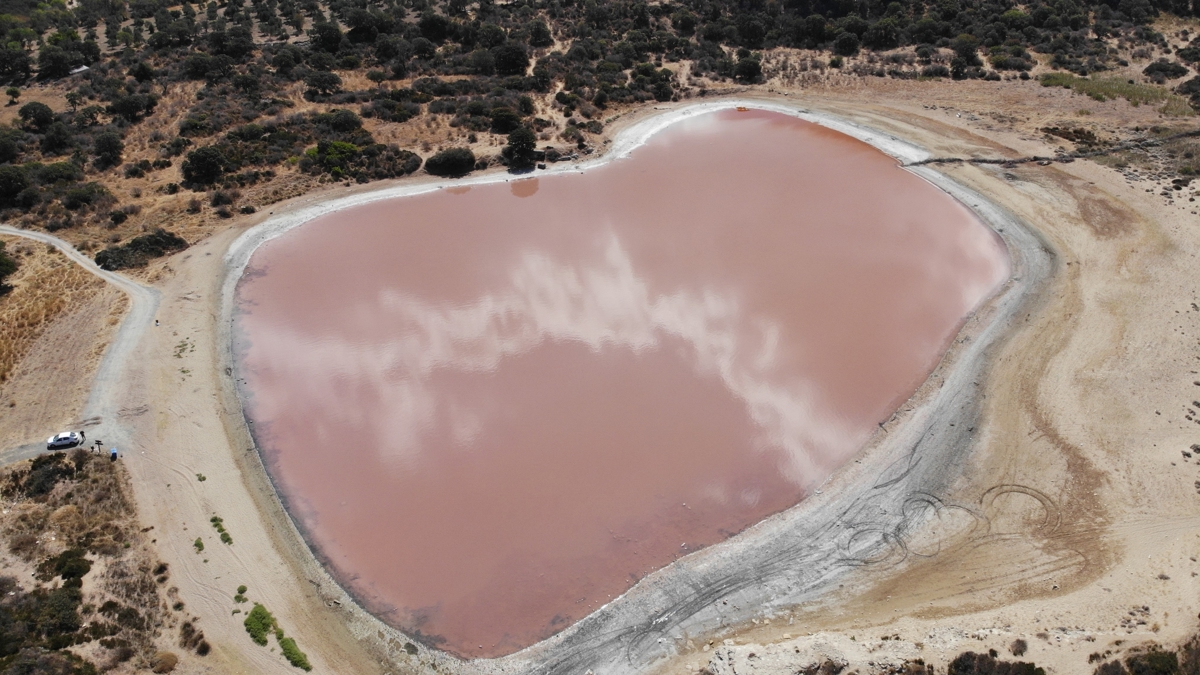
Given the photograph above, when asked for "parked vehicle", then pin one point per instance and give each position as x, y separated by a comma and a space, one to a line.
67, 439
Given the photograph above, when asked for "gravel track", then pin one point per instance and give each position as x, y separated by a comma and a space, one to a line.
99, 413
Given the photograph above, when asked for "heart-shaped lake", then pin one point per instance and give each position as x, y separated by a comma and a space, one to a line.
493, 409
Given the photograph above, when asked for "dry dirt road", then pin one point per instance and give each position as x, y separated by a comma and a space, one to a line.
99, 413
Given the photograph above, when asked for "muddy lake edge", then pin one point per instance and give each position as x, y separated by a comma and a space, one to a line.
827, 535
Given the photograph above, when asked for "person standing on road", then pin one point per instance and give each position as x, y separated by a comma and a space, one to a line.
113, 456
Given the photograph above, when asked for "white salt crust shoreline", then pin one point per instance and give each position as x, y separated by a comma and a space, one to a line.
861, 516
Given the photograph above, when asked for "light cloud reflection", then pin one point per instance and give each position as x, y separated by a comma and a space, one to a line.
603, 305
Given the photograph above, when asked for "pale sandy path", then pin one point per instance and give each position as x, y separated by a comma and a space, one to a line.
101, 405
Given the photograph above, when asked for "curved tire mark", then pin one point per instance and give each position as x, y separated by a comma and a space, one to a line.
1053, 516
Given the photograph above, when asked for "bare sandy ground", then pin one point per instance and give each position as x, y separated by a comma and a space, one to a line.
1074, 506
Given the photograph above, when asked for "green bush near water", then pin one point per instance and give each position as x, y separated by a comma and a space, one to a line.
293, 654
453, 162
259, 623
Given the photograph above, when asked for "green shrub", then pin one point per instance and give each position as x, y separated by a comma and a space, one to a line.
108, 148
83, 195
36, 116
70, 564
1163, 69
140, 250
259, 623
204, 166
504, 120
293, 654
1191, 53
970, 663
199, 544
8, 265
322, 83
1155, 662
452, 162
13, 179
56, 173
134, 107
522, 144
331, 155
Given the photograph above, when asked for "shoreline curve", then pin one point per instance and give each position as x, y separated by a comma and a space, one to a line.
861, 515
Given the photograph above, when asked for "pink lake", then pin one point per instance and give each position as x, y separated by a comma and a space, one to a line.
492, 410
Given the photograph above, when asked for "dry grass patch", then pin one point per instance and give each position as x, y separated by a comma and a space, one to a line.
1111, 88
45, 286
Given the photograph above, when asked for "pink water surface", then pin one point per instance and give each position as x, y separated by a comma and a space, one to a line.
494, 409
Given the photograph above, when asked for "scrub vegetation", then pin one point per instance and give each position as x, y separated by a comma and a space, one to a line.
219, 524
1105, 89
78, 575
1149, 659
125, 109
260, 623
139, 251
970, 663
8, 265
